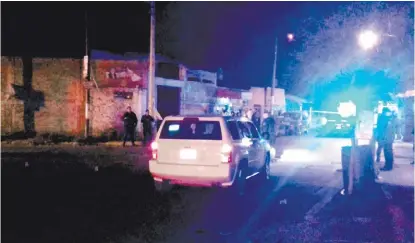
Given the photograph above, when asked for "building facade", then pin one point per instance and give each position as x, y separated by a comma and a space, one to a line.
50, 95
121, 81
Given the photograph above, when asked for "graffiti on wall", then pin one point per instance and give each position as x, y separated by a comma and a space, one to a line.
125, 74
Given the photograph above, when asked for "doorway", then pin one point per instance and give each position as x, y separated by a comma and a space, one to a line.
168, 100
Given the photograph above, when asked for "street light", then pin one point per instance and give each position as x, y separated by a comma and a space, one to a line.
290, 38
152, 59
368, 39
346, 109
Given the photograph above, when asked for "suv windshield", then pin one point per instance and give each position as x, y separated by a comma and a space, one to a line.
191, 130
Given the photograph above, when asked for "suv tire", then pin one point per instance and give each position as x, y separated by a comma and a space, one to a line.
162, 187
239, 185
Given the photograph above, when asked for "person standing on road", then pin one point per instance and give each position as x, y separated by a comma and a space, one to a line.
147, 121
130, 123
385, 136
268, 128
256, 119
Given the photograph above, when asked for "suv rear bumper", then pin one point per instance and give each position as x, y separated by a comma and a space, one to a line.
193, 175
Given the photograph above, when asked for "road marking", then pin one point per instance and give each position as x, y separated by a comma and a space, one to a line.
387, 194
329, 193
264, 206
363, 220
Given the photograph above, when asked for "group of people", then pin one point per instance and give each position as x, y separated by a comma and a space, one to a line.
130, 123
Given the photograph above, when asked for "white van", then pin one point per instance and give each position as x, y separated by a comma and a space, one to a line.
212, 151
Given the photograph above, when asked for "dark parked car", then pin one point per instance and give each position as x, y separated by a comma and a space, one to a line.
335, 125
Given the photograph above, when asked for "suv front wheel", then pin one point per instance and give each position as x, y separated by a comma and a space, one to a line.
239, 184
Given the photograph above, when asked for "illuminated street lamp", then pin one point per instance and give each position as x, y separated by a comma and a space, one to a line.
346, 109
290, 37
368, 39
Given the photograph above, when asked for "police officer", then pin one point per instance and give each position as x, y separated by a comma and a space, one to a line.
130, 123
147, 121
385, 136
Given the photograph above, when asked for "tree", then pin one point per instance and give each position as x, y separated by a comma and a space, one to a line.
332, 49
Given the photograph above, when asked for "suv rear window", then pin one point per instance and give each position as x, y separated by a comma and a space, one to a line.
191, 130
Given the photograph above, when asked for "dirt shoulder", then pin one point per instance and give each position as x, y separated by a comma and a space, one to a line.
104, 154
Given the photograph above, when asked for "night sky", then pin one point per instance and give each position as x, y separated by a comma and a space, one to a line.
235, 36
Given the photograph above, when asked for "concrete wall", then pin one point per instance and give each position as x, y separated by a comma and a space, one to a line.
54, 103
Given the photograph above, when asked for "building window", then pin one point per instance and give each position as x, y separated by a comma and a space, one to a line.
168, 71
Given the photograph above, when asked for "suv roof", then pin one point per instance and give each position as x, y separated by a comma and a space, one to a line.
226, 118
203, 115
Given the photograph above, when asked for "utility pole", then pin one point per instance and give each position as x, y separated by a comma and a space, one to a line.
274, 74
86, 75
151, 70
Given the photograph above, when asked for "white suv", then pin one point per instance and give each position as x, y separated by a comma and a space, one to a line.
208, 151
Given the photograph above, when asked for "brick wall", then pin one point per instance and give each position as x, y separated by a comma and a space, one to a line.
106, 110
57, 96
11, 108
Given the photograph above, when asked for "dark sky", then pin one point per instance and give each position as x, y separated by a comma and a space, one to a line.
235, 36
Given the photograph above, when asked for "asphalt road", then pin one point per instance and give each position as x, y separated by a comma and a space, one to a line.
66, 201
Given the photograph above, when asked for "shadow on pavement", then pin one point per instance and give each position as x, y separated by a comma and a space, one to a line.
373, 215
224, 217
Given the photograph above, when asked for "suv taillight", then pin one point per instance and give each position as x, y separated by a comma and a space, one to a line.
154, 150
226, 153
